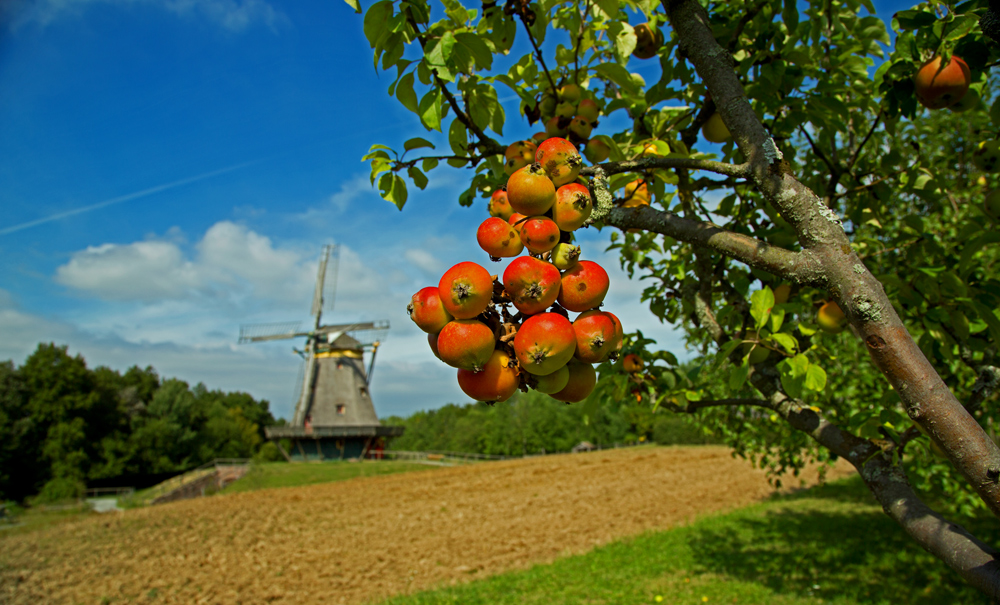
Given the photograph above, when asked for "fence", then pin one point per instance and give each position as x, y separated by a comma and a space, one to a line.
440, 457
107, 492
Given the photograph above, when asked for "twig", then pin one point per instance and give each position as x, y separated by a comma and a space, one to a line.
538, 55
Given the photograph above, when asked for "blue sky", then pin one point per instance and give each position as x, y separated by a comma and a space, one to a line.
172, 168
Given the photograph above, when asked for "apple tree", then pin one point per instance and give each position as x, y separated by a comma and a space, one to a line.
832, 263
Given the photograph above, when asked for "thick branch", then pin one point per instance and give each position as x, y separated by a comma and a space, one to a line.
974, 560
926, 398
798, 266
648, 163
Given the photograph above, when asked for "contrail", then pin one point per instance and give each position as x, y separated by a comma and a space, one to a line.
125, 198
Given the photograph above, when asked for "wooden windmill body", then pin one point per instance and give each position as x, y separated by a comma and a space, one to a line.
334, 415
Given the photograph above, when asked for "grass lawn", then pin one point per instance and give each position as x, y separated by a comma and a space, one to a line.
284, 474
24, 520
832, 544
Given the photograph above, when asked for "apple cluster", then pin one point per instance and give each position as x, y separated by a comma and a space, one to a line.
568, 112
468, 315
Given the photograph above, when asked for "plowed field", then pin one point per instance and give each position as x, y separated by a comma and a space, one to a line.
359, 540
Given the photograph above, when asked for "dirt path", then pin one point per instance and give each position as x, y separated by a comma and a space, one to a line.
367, 538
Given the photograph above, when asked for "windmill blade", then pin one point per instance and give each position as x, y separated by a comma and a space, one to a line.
270, 331
317, 306
306, 391
332, 269
365, 333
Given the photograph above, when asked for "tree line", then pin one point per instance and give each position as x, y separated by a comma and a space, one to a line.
64, 426
533, 423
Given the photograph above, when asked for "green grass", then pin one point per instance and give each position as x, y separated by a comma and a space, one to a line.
29, 519
828, 545
284, 474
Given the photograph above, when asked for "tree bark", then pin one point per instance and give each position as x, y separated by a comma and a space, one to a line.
925, 397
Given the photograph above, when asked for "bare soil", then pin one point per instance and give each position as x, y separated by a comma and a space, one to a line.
364, 539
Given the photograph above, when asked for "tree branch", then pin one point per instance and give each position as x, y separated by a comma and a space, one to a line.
401, 164
651, 162
538, 55
693, 406
974, 560
857, 150
798, 266
819, 152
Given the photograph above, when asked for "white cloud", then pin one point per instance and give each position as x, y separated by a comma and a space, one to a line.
233, 15
424, 260
232, 262
150, 270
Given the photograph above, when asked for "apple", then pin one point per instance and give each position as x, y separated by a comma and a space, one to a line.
714, 130
940, 86
648, 41
831, 318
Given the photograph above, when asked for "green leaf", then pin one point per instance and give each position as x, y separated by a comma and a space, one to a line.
355, 5
790, 14
726, 350
405, 93
456, 12
624, 39
429, 164
417, 143
419, 178
761, 303
458, 138
815, 379
792, 375
738, 375
912, 19
429, 110
484, 108
987, 315
477, 48
619, 75
787, 341
393, 188
375, 20
607, 8
777, 318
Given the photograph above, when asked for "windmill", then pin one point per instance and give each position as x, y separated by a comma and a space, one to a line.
334, 415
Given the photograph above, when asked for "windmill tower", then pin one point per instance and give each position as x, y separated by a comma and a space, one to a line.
334, 416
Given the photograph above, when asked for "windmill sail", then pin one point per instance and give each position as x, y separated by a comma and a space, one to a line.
317, 306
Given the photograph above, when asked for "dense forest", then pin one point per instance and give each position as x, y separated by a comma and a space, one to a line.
64, 426
533, 423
